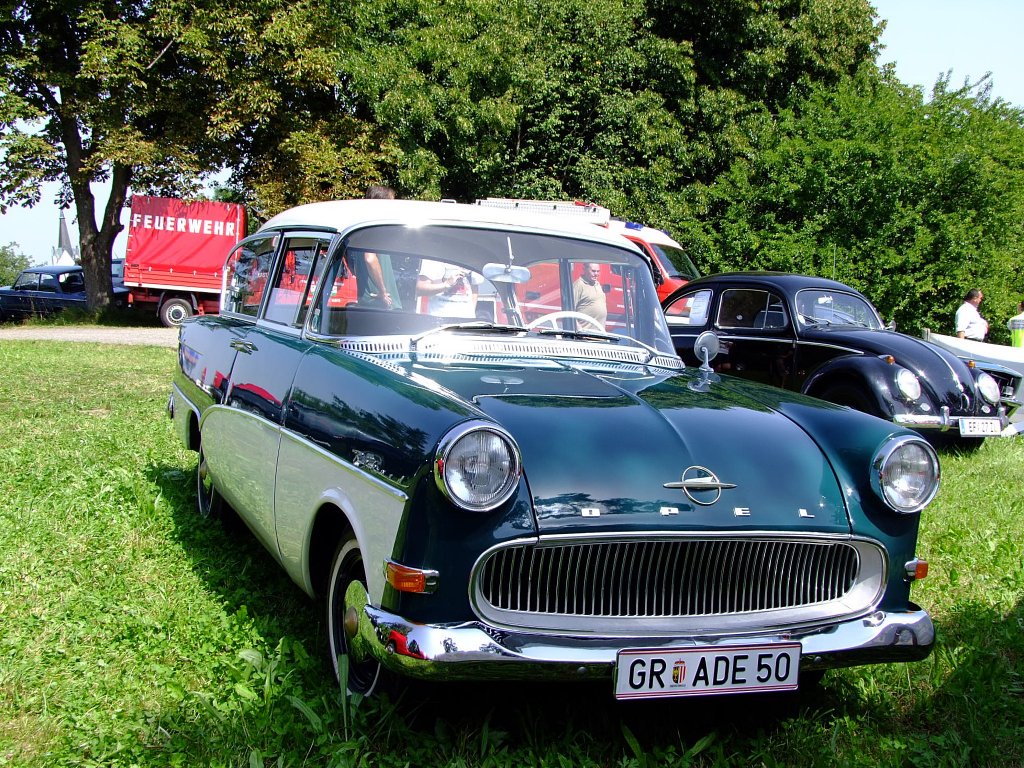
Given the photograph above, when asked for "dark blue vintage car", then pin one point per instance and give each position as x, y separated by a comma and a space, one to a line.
547, 493
825, 339
49, 289
43, 290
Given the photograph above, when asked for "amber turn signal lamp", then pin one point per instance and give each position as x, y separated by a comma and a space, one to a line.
406, 579
916, 569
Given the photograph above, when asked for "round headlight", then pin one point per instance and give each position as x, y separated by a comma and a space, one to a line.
988, 388
477, 466
909, 385
905, 473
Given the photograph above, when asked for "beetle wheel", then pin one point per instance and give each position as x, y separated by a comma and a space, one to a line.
209, 503
364, 676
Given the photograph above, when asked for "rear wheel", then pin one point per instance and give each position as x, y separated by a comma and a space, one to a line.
346, 595
174, 312
209, 502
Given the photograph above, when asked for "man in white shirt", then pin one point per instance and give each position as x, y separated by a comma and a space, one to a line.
969, 322
450, 290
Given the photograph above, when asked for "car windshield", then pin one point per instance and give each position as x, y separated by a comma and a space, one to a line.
408, 280
675, 262
827, 308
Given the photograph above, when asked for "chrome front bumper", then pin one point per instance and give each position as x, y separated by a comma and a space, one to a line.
475, 651
944, 420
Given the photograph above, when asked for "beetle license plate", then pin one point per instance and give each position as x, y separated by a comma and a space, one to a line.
974, 427
656, 672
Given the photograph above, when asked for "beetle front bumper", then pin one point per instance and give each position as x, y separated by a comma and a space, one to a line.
476, 651
944, 420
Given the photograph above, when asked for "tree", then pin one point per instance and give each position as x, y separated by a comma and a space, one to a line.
151, 95
12, 261
636, 104
911, 201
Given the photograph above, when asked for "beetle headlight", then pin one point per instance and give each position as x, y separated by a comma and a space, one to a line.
988, 388
908, 384
905, 473
477, 466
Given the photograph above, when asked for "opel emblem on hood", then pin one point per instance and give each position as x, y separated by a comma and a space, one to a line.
697, 479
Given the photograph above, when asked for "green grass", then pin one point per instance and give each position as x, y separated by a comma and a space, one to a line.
134, 633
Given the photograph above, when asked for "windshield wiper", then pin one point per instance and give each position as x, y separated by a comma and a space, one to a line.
576, 334
652, 352
475, 326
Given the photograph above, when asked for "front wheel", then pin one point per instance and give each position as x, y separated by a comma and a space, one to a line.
854, 397
174, 312
346, 594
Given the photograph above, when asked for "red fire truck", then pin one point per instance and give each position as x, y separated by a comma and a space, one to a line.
174, 259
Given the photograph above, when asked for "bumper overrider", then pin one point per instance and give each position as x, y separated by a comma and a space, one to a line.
477, 651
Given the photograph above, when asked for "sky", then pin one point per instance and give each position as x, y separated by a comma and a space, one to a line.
925, 39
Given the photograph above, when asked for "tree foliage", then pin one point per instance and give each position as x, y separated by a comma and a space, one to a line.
12, 261
761, 135
152, 94
911, 201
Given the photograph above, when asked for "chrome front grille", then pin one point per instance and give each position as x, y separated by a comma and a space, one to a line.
730, 583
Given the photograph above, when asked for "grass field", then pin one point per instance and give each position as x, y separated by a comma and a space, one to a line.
134, 633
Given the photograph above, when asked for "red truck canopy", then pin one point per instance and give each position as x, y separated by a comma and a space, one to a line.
173, 242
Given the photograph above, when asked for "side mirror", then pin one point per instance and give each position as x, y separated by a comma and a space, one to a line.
706, 347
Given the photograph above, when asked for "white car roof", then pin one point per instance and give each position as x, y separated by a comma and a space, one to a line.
340, 215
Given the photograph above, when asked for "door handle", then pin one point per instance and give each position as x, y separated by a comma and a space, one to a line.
240, 345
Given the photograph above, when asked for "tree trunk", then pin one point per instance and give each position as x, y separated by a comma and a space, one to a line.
96, 244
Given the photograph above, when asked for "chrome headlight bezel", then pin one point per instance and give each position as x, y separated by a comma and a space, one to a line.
908, 384
905, 474
458, 470
988, 388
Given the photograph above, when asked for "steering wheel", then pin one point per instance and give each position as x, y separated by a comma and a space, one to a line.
565, 314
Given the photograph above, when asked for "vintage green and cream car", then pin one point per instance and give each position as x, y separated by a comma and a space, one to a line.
489, 468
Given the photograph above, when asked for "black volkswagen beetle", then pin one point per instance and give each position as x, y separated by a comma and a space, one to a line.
825, 339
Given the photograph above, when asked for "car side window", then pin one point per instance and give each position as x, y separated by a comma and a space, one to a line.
689, 309
72, 282
296, 278
245, 275
48, 283
751, 308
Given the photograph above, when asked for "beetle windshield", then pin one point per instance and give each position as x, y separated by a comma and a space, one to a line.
826, 308
405, 280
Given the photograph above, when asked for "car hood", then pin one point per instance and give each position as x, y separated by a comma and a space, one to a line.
599, 448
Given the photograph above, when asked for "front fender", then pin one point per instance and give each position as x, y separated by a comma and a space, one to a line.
875, 377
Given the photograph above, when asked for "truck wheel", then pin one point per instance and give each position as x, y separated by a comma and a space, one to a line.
348, 581
174, 312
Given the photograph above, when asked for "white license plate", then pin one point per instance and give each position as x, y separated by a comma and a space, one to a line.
973, 427
655, 672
